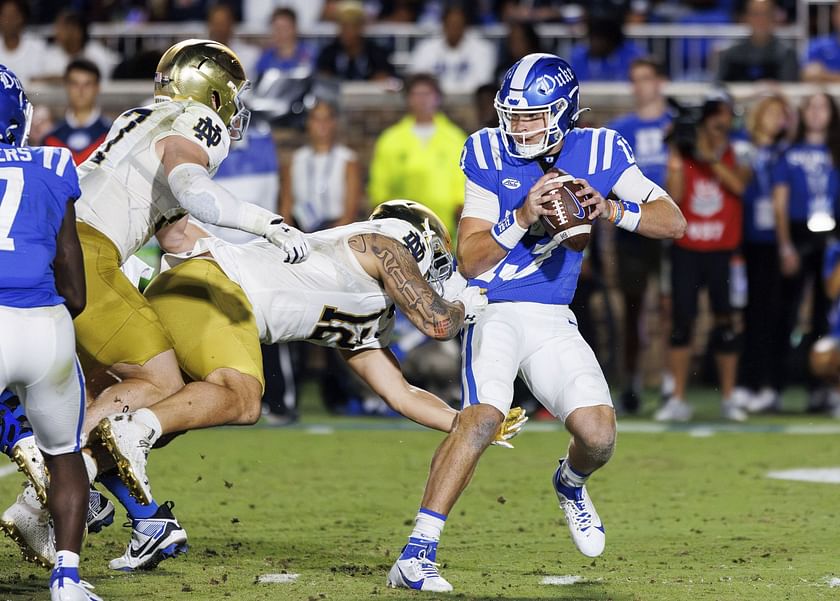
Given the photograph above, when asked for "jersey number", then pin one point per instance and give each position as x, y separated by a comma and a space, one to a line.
10, 203
334, 322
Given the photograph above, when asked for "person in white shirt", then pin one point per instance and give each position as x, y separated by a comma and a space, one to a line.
460, 59
71, 42
20, 51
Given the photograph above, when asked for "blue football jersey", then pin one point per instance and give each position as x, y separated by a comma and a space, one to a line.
538, 269
35, 185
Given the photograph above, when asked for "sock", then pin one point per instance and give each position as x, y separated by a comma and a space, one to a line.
66, 566
135, 510
569, 477
148, 418
425, 536
90, 465
428, 525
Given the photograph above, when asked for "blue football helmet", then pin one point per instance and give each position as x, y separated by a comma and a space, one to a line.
538, 85
15, 110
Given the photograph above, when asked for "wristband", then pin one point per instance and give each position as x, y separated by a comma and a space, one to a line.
629, 216
508, 232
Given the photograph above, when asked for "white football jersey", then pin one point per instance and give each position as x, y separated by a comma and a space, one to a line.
329, 299
125, 194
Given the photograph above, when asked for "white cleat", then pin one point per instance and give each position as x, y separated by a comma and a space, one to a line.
28, 524
64, 588
152, 540
419, 574
584, 524
129, 442
674, 410
30, 461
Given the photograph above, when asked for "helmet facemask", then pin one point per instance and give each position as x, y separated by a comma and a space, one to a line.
242, 117
441, 265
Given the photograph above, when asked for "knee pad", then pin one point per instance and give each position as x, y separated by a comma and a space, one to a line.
725, 339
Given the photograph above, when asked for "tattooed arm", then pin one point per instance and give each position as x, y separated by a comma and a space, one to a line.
392, 264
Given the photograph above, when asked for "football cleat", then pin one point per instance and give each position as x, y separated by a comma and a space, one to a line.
419, 573
100, 511
30, 461
584, 524
28, 524
674, 410
129, 442
65, 585
152, 540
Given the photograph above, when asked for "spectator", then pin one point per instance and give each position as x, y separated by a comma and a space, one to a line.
42, 124
20, 51
351, 56
400, 11
83, 128
308, 12
286, 54
762, 55
822, 62
484, 101
418, 158
522, 39
71, 42
824, 359
220, 26
805, 200
693, 57
639, 258
707, 182
461, 60
767, 124
605, 55
322, 187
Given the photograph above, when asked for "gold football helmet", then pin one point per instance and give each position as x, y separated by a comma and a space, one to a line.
207, 72
433, 234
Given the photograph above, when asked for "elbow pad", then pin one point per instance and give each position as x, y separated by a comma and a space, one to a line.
209, 202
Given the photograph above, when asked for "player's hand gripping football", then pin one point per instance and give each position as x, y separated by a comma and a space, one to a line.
530, 211
288, 239
590, 197
511, 427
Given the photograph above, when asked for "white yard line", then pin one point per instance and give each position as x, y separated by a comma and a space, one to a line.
562, 580
277, 578
824, 475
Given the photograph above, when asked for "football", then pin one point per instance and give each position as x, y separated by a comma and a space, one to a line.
568, 223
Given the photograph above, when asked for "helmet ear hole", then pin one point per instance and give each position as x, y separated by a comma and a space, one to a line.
216, 99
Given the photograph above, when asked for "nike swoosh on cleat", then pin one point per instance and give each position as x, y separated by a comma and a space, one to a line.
415, 584
151, 541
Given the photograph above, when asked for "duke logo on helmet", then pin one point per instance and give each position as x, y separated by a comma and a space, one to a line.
538, 85
15, 110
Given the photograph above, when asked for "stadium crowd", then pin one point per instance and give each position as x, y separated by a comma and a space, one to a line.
758, 181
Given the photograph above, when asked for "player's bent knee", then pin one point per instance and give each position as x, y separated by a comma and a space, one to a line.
480, 423
245, 393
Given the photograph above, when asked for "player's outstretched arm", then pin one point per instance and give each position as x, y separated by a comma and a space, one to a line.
69, 264
185, 167
392, 264
381, 371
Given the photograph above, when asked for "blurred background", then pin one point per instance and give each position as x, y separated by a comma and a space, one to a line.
356, 103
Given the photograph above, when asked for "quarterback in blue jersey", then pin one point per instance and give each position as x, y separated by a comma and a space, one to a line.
41, 284
530, 280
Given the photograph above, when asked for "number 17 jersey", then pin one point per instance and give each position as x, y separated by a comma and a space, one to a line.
537, 269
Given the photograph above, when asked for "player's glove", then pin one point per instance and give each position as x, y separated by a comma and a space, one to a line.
453, 286
474, 300
288, 239
511, 427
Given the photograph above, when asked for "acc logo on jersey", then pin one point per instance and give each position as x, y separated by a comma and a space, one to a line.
207, 132
510, 183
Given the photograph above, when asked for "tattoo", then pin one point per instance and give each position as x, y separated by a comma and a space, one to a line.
411, 292
357, 243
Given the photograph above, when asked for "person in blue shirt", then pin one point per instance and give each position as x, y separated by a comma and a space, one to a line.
42, 285
286, 54
805, 202
767, 123
824, 358
607, 54
639, 258
530, 279
822, 60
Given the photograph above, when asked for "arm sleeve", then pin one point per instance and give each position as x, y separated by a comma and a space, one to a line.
209, 202
480, 203
633, 186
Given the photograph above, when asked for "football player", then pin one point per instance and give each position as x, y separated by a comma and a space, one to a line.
42, 284
154, 168
530, 281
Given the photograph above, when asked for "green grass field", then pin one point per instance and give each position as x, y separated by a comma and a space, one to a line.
690, 514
